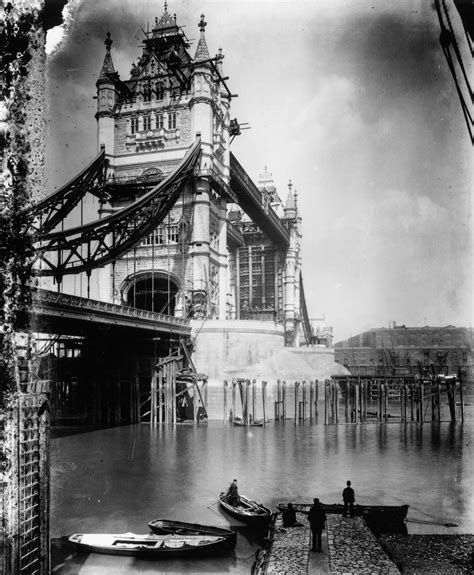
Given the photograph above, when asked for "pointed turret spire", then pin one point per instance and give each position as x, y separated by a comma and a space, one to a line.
202, 52
290, 206
108, 65
166, 21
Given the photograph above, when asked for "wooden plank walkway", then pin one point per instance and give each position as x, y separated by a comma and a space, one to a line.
349, 548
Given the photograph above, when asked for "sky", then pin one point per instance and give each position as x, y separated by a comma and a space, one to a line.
350, 99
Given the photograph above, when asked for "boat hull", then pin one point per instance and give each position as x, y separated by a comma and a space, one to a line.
380, 513
248, 511
149, 546
170, 527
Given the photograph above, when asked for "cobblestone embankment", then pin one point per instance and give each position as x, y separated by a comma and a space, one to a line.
349, 548
354, 550
431, 554
289, 552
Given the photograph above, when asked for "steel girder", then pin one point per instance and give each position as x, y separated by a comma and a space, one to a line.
44, 216
93, 245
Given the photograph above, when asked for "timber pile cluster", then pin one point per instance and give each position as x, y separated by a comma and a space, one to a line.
431, 554
353, 549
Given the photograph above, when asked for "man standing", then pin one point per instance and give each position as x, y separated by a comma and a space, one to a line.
348, 496
316, 518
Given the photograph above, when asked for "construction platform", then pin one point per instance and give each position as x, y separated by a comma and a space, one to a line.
348, 547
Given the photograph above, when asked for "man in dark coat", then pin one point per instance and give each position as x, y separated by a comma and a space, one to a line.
289, 517
233, 494
349, 497
316, 518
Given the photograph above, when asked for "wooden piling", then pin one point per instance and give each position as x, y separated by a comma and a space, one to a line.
283, 399
297, 385
254, 397
311, 399
316, 392
278, 402
225, 401
461, 399
264, 400
234, 384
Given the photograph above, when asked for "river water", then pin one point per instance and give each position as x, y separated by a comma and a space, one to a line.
116, 480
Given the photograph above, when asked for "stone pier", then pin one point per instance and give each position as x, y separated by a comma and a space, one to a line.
348, 548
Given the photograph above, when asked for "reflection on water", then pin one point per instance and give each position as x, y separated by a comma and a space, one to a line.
118, 480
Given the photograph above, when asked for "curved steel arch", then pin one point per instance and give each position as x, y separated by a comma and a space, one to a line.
45, 215
93, 245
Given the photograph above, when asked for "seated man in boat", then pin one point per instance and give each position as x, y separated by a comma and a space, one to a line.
233, 494
289, 517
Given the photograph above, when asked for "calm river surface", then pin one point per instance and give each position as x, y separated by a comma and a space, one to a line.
116, 480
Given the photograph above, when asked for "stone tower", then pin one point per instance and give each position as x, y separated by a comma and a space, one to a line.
146, 124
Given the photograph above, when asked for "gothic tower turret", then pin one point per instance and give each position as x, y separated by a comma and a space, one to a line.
106, 100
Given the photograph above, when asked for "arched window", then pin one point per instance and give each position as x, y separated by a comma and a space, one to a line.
146, 122
159, 121
147, 93
160, 91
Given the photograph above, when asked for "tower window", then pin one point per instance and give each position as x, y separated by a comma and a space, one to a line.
147, 122
147, 93
159, 121
134, 126
160, 92
171, 121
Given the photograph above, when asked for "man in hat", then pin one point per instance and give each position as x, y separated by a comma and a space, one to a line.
233, 494
316, 518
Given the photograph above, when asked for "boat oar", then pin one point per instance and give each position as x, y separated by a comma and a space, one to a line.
212, 504
422, 522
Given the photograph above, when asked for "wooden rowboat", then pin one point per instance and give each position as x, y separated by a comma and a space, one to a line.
375, 513
170, 527
247, 511
242, 423
149, 546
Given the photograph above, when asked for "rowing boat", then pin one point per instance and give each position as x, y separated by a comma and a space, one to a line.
391, 513
170, 527
149, 546
248, 511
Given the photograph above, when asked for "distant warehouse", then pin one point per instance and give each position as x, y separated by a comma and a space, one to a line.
401, 350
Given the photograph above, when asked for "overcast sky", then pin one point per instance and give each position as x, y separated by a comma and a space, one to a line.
354, 102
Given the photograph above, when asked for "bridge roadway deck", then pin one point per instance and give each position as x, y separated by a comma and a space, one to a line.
68, 314
348, 548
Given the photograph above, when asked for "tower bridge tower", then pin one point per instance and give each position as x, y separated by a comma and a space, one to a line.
226, 252
146, 124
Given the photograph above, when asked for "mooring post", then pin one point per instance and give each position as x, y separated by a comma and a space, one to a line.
452, 407
297, 385
461, 398
254, 391
225, 401
316, 392
234, 383
247, 385
277, 403
160, 395
438, 395
336, 401
264, 400
304, 398
356, 401
311, 399
325, 402
283, 391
